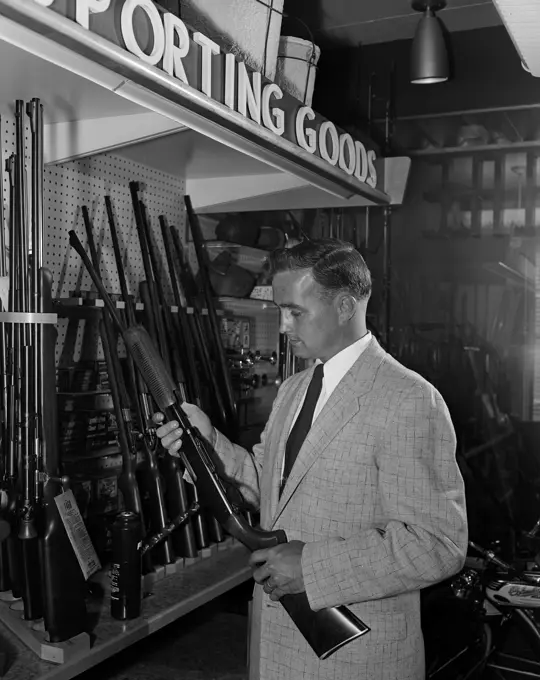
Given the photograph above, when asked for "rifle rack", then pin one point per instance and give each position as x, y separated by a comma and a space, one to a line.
34, 636
170, 593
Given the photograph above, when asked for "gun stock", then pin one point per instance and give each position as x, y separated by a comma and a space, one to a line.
64, 589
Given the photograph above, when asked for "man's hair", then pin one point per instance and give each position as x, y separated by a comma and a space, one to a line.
335, 265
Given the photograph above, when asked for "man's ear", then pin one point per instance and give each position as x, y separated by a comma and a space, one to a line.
346, 307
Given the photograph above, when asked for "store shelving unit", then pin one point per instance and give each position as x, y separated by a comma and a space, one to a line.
171, 598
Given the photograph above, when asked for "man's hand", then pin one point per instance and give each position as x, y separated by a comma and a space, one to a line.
171, 433
279, 569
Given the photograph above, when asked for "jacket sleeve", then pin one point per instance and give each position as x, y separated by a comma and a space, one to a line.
424, 537
242, 467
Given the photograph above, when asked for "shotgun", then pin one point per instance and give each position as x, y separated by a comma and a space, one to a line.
29, 437
5, 582
171, 340
127, 482
175, 496
64, 588
194, 533
215, 530
159, 334
194, 384
221, 359
326, 630
199, 521
59, 581
186, 281
150, 479
11, 473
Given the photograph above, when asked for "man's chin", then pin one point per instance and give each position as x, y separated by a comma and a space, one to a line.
300, 350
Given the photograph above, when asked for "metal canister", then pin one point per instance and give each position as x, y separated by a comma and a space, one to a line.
126, 567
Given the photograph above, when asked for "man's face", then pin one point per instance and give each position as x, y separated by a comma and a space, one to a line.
311, 323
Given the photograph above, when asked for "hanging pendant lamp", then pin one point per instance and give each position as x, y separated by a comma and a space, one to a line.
429, 58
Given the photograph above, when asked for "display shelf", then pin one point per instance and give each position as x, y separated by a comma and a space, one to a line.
487, 150
247, 305
118, 101
486, 196
172, 597
79, 305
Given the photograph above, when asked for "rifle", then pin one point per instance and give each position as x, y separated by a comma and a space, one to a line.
5, 582
326, 630
127, 482
195, 388
194, 533
59, 582
175, 491
221, 359
64, 588
168, 325
150, 479
214, 528
198, 521
186, 280
175, 497
159, 333
11, 473
27, 349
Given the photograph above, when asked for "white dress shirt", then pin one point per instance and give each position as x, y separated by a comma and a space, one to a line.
334, 371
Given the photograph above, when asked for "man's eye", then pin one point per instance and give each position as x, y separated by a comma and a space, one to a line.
295, 314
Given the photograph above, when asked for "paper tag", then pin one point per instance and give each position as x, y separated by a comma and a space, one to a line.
4, 291
187, 478
77, 533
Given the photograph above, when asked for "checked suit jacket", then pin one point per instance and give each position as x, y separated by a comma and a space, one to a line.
377, 497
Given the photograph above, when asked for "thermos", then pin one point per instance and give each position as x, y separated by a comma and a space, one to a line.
126, 567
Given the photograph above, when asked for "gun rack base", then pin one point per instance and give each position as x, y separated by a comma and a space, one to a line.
191, 584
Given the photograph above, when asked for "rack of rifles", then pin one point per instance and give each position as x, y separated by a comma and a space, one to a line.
37, 561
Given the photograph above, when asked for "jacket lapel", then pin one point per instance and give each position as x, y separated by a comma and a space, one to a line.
282, 426
342, 405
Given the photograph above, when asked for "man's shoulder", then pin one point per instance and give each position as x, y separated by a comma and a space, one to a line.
405, 381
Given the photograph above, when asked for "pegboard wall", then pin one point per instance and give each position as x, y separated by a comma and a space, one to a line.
85, 182
67, 187
264, 322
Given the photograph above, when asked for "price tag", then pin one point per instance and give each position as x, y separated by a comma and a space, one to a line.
4, 291
77, 533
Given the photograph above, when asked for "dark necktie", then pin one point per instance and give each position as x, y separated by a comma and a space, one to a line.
303, 423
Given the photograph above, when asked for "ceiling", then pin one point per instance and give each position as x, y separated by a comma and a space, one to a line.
353, 22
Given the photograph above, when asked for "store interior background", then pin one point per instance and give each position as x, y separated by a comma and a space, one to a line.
455, 291
456, 276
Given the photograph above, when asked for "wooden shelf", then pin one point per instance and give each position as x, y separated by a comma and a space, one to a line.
172, 597
489, 150
81, 307
466, 194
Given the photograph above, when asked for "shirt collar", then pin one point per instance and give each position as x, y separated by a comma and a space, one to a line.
336, 367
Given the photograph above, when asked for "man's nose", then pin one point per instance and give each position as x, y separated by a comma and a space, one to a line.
284, 322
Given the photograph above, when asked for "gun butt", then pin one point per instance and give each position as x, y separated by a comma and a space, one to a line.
326, 630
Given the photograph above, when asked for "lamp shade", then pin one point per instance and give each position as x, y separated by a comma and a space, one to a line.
429, 58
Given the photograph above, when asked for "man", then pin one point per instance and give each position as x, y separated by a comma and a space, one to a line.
373, 505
